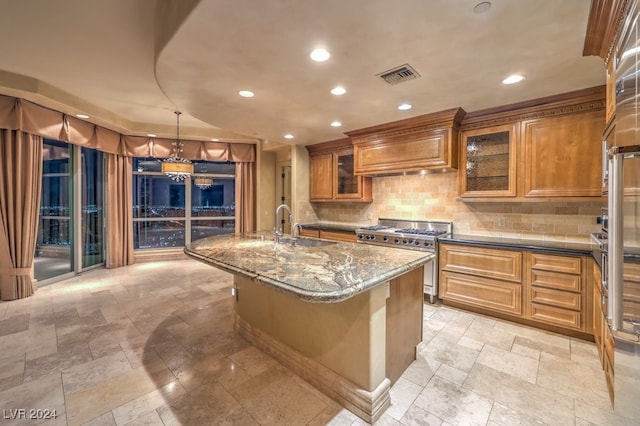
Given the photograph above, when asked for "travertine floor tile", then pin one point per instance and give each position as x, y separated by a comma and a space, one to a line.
531, 400
454, 404
145, 404
154, 344
519, 366
14, 324
572, 379
403, 394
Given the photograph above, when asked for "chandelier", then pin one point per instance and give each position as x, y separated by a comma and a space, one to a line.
176, 167
203, 182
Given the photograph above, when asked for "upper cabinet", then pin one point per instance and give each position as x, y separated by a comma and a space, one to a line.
331, 174
563, 155
419, 144
535, 150
488, 158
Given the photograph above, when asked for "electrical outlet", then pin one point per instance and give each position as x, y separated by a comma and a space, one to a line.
502, 222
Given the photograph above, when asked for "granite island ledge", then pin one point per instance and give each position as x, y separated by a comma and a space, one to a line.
353, 346
330, 273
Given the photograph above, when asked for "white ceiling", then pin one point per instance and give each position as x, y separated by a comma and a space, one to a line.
99, 57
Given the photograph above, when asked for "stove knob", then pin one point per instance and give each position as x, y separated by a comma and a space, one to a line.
371, 237
405, 241
427, 244
360, 236
417, 243
396, 240
385, 239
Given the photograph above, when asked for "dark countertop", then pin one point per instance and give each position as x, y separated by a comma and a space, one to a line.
330, 273
327, 226
554, 247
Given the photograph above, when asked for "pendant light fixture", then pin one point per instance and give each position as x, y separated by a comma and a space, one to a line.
176, 167
203, 182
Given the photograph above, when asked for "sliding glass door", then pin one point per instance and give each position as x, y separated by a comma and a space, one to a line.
92, 206
71, 225
54, 252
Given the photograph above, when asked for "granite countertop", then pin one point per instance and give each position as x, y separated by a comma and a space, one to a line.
554, 247
330, 273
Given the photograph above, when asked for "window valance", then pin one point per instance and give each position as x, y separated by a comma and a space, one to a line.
28, 117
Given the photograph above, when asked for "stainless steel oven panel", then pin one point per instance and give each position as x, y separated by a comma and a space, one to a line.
430, 284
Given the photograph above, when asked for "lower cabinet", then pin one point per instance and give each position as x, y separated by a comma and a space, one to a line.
334, 235
481, 277
537, 288
556, 290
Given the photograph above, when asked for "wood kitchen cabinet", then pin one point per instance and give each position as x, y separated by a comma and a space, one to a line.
563, 156
419, 144
537, 150
488, 157
326, 234
331, 174
485, 278
598, 315
557, 291
538, 289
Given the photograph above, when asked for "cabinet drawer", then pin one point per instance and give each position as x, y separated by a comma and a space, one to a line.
556, 281
546, 262
491, 263
312, 233
562, 299
348, 237
485, 293
556, 316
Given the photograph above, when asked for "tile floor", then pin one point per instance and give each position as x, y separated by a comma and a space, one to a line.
153, 344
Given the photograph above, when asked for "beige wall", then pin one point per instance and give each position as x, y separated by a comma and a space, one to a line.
434, 196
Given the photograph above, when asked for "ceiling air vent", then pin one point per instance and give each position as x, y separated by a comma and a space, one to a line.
399, 74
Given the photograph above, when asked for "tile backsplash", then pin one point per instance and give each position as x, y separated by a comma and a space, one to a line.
434, 197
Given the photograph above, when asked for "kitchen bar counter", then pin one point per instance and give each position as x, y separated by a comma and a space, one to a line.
552, 247
353, 346
331, 273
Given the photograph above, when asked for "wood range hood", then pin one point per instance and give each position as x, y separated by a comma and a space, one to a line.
417, 145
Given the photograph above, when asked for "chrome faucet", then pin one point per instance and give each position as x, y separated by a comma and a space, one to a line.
277, 233
295, 230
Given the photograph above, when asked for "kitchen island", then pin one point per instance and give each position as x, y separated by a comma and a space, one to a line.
346, 317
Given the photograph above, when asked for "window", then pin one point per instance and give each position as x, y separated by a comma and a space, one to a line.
170, 214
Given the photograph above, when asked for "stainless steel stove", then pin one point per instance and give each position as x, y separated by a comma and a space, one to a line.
412, 235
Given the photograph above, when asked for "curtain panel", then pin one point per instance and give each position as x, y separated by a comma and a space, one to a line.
20, 190
245, 198
119, 211
20, 114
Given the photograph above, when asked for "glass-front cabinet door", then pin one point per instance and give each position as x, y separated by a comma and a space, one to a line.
346, 184
488, 162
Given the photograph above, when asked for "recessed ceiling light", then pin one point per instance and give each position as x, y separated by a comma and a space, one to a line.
215, 139
320, 55
288, 136
482, 7
151, 135
404, 107
338, 90
85, 116
515, 78
336, 124
246, 93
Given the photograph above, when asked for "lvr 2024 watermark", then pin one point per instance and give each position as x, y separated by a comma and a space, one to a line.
29, 414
